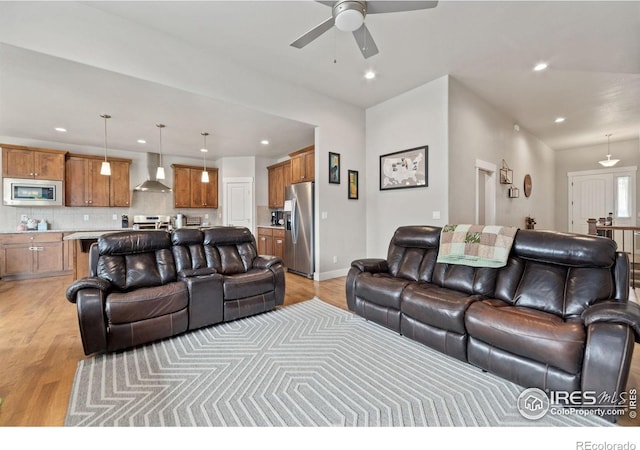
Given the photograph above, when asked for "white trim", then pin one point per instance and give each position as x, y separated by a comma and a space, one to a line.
603, 170
321, 276
490, 207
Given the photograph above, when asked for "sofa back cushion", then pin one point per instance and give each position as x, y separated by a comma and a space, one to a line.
467, 279
559, 273
135, 259
188, 249
230, 250
413, 251
412, 255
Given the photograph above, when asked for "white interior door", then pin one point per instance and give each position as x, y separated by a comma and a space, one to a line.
485, 193
238, 205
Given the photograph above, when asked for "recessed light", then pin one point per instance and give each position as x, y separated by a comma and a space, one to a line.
61, 130
540, 66
559, 119
204, 150
264, 142
370, 75
141, 141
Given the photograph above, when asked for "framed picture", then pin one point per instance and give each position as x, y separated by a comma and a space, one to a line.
334, 168
404, 169
352, 193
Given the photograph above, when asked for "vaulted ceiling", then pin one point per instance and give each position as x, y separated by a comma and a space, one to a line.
592, 49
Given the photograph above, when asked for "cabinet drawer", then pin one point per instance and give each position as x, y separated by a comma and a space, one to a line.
278, 233
26, 238
265, 231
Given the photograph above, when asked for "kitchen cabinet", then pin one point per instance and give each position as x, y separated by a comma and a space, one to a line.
303, 165
33, 163
31, 255
188, 189
278, 242
279, 179
84, 186
265, 241
271, 241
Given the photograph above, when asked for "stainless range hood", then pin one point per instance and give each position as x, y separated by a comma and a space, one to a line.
151, 184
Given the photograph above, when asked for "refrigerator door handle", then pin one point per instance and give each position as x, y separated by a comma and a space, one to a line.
294, 222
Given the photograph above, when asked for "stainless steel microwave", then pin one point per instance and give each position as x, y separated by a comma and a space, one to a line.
24, 192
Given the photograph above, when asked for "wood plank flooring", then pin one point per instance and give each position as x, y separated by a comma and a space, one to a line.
40, 345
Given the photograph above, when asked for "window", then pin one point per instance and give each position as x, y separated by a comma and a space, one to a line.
623, 197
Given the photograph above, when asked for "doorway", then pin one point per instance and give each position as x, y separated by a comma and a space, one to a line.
238, 202
485, 193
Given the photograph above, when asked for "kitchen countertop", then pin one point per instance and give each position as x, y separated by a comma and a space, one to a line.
94, 234
63, 231
275, 227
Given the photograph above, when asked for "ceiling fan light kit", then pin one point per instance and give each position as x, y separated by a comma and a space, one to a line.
349, 16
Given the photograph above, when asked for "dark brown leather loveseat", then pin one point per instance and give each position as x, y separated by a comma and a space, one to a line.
149, 285
556, 317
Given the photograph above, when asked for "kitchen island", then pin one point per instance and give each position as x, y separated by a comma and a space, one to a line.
79, 248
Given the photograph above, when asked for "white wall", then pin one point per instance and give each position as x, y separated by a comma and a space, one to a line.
415, 118
477, 130
106, 41
586, 158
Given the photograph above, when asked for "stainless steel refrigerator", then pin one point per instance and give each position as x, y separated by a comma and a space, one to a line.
298, 225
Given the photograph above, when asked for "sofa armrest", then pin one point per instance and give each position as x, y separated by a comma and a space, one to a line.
92, 320
266, 262
188, 273
373, 265
625, 313
86, 283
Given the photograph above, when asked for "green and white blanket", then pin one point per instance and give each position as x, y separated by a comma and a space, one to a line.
476, 245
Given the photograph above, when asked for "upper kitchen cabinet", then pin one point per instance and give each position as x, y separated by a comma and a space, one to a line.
34, 163
279, 179
188, 189
303, 165
84, 186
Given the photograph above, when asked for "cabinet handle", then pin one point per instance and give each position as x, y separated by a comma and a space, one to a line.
36, 249
263, 238
35, 174
278, 241
31, 173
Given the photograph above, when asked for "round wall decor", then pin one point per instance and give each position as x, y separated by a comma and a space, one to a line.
527, 185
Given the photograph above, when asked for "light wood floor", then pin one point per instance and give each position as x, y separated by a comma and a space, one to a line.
40, 345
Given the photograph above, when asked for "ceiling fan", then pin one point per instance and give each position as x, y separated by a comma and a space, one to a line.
348, 15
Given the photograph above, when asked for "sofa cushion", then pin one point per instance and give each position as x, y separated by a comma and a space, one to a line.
146, 303
251, 283
439, 307
381, 289
534, 334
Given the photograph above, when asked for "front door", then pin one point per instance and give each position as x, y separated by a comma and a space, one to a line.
594, 194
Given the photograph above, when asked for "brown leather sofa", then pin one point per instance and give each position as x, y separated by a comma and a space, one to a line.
556, 317
149, 285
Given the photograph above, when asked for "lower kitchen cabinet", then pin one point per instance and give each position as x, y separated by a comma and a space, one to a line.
31, 255
271, 241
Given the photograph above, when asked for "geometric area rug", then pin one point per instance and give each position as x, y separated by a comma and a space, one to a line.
306, 365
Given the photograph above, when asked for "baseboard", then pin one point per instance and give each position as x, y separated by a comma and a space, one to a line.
321, 276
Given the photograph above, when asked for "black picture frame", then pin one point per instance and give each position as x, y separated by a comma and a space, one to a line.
352, 185
334, 168
405, 169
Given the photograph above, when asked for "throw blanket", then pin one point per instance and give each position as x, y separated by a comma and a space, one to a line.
476, 245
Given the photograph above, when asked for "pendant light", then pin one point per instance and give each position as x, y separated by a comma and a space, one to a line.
205, 174
609, 162
105, 168
160, 169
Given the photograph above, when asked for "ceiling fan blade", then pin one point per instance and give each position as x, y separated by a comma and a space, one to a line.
377, 7
366, 44
314, 33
